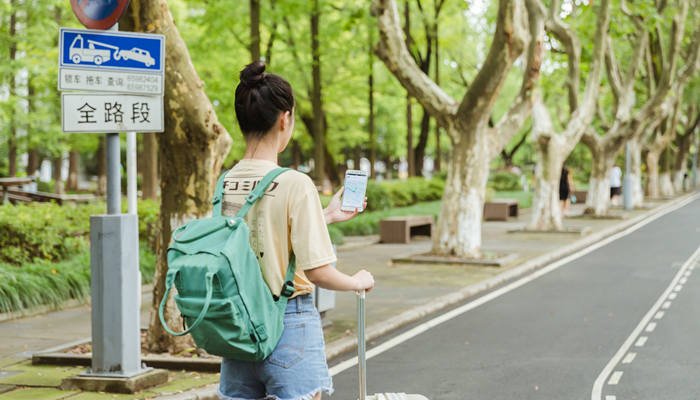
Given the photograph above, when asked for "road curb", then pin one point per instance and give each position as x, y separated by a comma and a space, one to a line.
374, 331
207, 393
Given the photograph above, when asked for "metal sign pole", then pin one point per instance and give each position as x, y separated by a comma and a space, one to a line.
116, 335
127, 71
131, 173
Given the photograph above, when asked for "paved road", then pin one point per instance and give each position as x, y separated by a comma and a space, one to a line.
552, 337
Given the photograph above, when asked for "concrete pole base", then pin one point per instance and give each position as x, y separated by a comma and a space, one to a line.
116, 384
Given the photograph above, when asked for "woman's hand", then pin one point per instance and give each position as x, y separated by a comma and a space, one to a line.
333, 213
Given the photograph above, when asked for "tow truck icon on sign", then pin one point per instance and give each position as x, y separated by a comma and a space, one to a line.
98, 56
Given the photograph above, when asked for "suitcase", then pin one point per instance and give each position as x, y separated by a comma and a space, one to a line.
362, 362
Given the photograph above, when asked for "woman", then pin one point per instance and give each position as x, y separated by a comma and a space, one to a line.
287, 219
566, 186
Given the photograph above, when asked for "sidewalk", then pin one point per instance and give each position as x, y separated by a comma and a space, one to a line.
404, 293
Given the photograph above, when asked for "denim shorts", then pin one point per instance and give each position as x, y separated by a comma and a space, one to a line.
296, 369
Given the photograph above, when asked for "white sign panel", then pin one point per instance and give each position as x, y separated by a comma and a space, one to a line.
110, 81
96, 113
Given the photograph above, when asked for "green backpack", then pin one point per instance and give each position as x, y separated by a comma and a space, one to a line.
226, 305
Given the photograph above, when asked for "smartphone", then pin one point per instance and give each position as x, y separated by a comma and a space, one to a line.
355, 188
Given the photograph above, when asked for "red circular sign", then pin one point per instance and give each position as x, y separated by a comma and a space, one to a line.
99, 14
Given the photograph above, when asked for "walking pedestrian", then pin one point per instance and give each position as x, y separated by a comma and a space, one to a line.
288, 219
615, 184
566, 185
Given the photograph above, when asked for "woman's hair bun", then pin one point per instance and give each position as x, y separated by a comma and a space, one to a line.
253, 74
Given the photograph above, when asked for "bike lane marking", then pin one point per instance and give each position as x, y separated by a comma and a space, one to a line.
639, 341
405, 336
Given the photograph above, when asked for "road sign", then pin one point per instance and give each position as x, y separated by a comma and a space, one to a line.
99, 14
116, 51
95, 113
110, 81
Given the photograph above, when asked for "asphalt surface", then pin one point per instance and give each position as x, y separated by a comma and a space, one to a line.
552, 337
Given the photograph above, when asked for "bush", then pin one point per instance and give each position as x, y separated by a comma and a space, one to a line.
377, 196
336, 234
42, 231
504, 181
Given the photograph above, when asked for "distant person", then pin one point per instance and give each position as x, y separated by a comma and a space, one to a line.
615, 184
566, 185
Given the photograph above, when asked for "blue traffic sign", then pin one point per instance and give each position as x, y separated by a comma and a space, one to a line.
123, 51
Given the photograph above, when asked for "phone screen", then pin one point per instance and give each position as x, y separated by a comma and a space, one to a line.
354, 193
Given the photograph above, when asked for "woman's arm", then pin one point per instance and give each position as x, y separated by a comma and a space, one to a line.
330, 278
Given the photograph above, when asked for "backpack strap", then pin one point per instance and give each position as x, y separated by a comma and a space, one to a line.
259, 191
218, 195
288, 285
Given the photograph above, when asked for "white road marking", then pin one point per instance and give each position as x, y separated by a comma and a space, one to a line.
610, 397
395, 341
672, 296
597, 392
641, 341
629, 358
684, 280
678, 288
615, 378
651, 327
659, 315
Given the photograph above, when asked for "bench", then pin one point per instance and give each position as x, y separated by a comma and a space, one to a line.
500, 209
400, 229
48, 197
7, 183
580, 195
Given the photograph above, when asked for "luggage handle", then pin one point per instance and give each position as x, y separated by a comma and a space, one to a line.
361, 358
200, 317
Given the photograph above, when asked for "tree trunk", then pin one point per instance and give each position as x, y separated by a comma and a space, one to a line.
255, 30
438, 153
56, 174
73, 160
419, 152
191, 153
12, 140
653, 174
149, 163
458, 230
372, 140
32, 162
101, 167
635, 174
665, 184
598, 198
410, 157
546, 209
316, 99
681, 165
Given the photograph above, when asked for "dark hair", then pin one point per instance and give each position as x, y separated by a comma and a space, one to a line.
260, 98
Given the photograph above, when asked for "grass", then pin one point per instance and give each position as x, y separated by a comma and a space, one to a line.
54, 282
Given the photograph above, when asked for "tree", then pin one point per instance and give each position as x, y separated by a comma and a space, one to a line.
629, 120
191, 150
474, 143
692, 118
662, 138
552, 149
149, 165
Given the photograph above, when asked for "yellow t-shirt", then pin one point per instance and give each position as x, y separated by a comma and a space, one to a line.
287, 218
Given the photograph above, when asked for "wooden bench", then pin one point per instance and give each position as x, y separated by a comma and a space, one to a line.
7, 183
580, 195
57, 198
500, 209
400, 229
